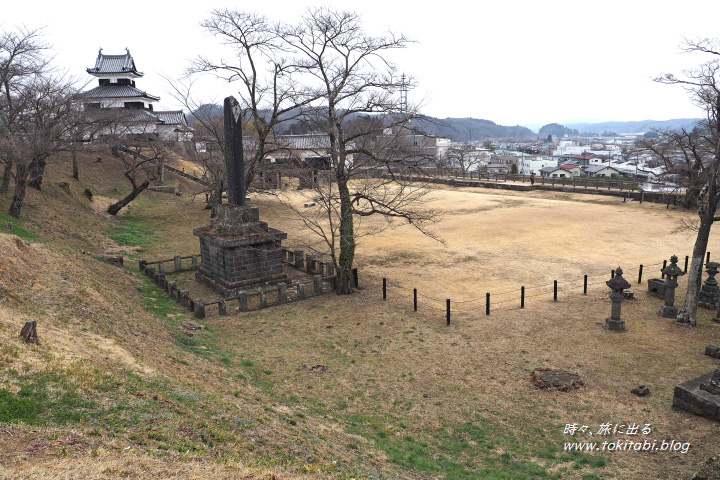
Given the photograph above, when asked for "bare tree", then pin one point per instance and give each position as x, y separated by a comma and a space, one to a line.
684, 156
353, 77
463, 156
129, 135
270, 92
700, 150
208, 145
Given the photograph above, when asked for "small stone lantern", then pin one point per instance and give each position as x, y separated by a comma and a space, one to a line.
617, 284
672, 272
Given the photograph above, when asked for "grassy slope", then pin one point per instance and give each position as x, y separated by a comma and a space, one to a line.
117, 388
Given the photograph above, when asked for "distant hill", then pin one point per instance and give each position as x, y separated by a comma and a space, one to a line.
468, 129
557, 130
634, 126
457, 129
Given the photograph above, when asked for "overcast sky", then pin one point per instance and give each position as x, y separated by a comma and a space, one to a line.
512, 62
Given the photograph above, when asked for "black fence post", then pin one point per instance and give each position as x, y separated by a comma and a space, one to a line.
355, 277
447, 302
663, 269
640, 274
414, 299
687, 258
487, 303
555, 290
612, 273
585, 285
522, 297
384, 288
708, 257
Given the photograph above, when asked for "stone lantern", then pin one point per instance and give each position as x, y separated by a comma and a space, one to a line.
617, 284
672, 272
709, 293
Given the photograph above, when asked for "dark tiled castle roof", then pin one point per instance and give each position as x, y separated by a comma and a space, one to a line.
118, 91
114, 64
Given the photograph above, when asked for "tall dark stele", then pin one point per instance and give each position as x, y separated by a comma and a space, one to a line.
234, 163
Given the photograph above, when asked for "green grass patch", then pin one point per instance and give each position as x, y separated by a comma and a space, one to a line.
474, 449
132, 232
18, 228
47, 398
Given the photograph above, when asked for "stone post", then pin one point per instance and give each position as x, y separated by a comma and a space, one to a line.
160, 266
300, 290
178, 263
200, 308
242, 302
185, 298
282, 292
194, 260
222, 308
170, 287
617, 284
263, 300
709, 293
671, 272
318, 285
299, 255
142, 264
309, 258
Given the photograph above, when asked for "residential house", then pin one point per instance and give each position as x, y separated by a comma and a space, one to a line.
601, 171
555, 172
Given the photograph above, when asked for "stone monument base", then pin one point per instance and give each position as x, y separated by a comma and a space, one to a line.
616, 325
694, 397
668, 311
239, 252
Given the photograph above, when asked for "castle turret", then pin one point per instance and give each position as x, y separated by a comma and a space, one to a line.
116, 76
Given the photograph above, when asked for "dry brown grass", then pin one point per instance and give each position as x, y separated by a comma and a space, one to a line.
404, 372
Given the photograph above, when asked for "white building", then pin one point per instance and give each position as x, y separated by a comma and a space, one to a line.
532, 165
117, 92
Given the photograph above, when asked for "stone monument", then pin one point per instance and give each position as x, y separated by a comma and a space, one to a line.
700, 395
709, 293
239, 252
672, 272
617, 284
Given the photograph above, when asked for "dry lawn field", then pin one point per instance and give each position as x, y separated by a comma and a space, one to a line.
403, 395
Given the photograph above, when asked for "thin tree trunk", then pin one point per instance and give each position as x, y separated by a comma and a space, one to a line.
117, 206
20, 187
347, 240
75, 170
7, 173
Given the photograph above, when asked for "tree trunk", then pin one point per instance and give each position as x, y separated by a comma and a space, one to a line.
75, 170
347, 240
6, 176
688, 313
117, 206
20, 186
37, 170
